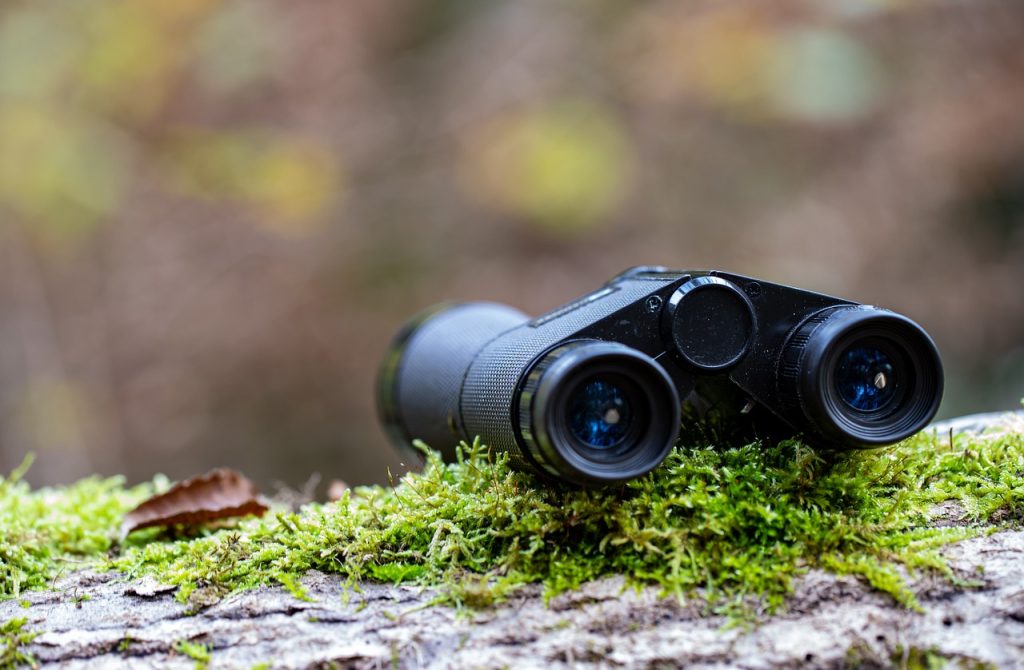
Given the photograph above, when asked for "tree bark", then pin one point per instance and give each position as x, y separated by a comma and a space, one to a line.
102, 621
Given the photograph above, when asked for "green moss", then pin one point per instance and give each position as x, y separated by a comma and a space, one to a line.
200, 653
738, 523
50, 530
13, 640
916, 658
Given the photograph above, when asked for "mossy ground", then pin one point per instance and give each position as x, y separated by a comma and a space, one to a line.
735, 524
13, 640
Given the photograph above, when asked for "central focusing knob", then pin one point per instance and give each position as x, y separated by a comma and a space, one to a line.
708, 324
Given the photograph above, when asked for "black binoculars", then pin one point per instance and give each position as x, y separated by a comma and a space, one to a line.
591, 393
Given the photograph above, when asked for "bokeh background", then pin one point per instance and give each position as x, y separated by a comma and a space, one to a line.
215, 213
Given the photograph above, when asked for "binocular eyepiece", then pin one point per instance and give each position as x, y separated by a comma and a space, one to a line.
591, 393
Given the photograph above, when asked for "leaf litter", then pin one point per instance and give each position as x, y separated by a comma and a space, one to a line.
219, 494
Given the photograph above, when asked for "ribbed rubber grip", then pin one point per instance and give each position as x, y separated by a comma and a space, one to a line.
790, 364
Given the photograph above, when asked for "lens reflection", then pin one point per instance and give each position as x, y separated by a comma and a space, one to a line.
865, 378
600, 414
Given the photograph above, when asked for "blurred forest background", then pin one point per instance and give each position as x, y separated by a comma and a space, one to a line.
215, 213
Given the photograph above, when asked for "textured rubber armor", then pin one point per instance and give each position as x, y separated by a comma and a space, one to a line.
428, 383
789, 363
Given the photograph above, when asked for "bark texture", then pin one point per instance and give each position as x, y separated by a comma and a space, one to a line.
829, 622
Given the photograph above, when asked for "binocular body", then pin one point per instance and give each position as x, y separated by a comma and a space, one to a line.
591, 392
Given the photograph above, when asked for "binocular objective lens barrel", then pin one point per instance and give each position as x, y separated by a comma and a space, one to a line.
594, 412
861, 376
420, 382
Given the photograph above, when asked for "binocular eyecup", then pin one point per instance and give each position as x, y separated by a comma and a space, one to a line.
861, 376
596, 412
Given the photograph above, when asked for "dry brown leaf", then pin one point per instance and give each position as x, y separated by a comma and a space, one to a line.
219, 494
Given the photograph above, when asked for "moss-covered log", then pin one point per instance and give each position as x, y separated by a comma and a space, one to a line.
757, 556
97, 621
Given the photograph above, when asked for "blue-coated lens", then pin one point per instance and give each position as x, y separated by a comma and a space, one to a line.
865, 378
599, 414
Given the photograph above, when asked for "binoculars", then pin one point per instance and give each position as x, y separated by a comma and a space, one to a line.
592, 392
